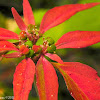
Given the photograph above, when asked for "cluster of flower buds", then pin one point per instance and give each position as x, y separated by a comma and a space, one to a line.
51, 46
27, 43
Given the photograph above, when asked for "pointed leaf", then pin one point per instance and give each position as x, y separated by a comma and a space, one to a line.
78, 39
6, 34
60, 14
23, 79
13, 55
47, 82
5, 45
81, 80
54, 57
28, 14
18, 19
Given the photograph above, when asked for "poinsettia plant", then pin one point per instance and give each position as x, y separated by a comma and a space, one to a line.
81, 80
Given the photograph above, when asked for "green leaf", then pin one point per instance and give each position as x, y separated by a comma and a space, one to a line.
38, 15
96, 45
2, 21
88, 1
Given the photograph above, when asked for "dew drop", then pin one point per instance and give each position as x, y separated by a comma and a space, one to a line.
4, 46
51, 95
17, 84
18, 55
71, 93
78, 47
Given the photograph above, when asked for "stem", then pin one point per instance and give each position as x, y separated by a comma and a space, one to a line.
35, 86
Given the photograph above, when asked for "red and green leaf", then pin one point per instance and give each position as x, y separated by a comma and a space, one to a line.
13, 55
81, 80
6, 34
18, 19
60, 14
47, 81
5, 45
54, 57
78, 39
28, 14
23, 79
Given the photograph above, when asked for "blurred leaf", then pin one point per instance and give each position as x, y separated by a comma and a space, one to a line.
2, 21
96, 45
9, 92
11, 25
88, 1
63, 2
5, 74
33, 98
38, 14
2, 90
61, 52
87, 20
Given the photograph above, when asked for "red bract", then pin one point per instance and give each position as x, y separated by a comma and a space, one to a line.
23, 79
47, 82
60, 14
81, 80
6, 34
5, 45
78, 39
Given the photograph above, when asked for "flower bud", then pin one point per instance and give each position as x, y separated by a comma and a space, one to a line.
51, 48
29, 43
30, 28
50, 40
23, 49
30, 54
36, 48
23, 35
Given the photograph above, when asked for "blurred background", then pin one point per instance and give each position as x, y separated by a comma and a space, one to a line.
87, 20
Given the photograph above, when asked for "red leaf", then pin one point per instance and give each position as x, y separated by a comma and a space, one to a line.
6, 34
54, 57
81, 80
18, 19
60, 14
28, 14
78, 39
47, 81
13, 55
23, 79
5, 45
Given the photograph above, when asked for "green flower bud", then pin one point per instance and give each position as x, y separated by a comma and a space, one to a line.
29, 43
30, 28
51, 48
30, 54
50, 41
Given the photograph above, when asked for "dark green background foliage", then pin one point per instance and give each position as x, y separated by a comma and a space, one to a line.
87, 20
